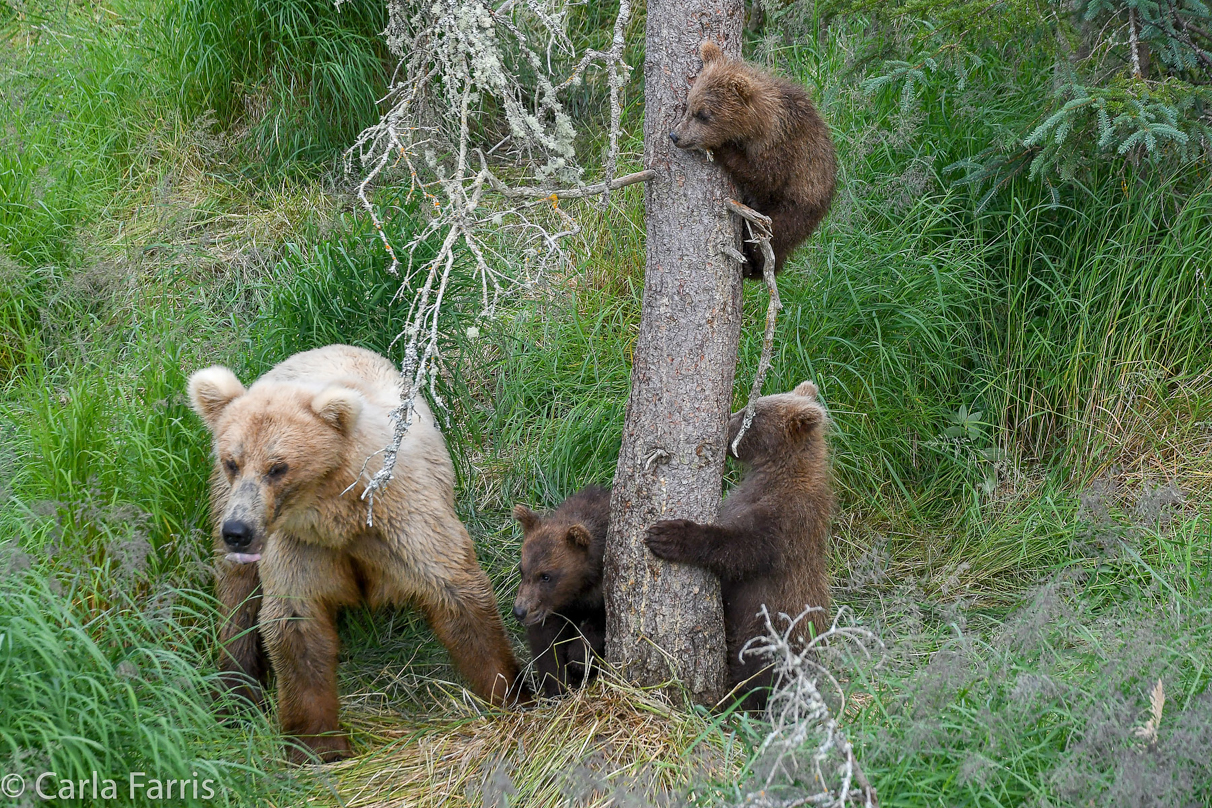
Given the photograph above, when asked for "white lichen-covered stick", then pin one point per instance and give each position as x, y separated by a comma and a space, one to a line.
461, 70
758, 226
598, 189
799, 717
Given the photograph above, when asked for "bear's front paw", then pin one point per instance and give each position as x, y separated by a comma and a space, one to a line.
672, 539
322, 748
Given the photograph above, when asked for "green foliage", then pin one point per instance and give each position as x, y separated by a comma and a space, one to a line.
1090, 301
560, 387
1160, 122
340, 290
1132, 80
297, 80
76, 99
18, 317
1049, 704
118, 690
983, 355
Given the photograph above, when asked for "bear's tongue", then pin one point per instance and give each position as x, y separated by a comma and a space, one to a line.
244, 558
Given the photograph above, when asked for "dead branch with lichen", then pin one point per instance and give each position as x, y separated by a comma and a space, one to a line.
461, 63
806, 759
758, 227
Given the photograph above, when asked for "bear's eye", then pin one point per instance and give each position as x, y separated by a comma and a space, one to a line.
277, 470
231, 466
701, 116
545, 578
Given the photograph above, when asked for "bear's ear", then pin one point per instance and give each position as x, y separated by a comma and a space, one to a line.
806, 389
741, 87
710, 52
578, 535
527, 518
211, 390
802, 420
339, 407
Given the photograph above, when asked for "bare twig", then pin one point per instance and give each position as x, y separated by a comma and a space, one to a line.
760, 233
600, 188
1134, 40
803, 730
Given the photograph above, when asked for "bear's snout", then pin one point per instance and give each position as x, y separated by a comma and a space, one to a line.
519, 611
237, 534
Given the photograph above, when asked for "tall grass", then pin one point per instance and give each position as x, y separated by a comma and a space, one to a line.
297, 79
78, 104
107, 692
1097, 303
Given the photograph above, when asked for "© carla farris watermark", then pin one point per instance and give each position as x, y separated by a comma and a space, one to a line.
49, 787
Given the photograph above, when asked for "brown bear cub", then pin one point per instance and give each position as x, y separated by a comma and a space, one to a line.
768, 546
293, 455
560, 599
766, 134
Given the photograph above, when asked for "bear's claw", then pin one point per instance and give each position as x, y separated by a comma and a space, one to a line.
670, 539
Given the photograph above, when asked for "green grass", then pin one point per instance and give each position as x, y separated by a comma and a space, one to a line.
1046, 703
1009, 380
298, 79
120, 689
79, 105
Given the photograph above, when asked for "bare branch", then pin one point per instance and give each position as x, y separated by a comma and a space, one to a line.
758, 226
459, 63
803, 731
596, 189
1134, 41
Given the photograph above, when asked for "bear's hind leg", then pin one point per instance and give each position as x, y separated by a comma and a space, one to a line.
469, 625
243, 665
753, 678
301, 637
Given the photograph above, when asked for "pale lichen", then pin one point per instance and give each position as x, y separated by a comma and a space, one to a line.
467, 67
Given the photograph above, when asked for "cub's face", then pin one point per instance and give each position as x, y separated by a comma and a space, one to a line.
781, 423
717, 108
273, 445
555, 564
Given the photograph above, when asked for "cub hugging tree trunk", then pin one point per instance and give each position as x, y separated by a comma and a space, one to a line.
665, 621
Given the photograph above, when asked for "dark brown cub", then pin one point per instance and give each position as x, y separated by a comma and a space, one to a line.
560, 599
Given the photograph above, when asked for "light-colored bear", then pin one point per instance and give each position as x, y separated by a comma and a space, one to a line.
293, 455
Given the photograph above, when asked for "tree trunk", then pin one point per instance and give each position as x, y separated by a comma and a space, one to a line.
665, 620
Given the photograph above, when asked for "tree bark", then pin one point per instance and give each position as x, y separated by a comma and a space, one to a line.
665, 620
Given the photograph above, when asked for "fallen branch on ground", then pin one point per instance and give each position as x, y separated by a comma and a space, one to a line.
799, 718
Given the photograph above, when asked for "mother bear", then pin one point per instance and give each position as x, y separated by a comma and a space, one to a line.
293, 454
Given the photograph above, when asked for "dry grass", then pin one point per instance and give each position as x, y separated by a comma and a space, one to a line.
193, 206
1162, 433
606, 743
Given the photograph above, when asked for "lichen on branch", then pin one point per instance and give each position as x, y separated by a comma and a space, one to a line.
476, 125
